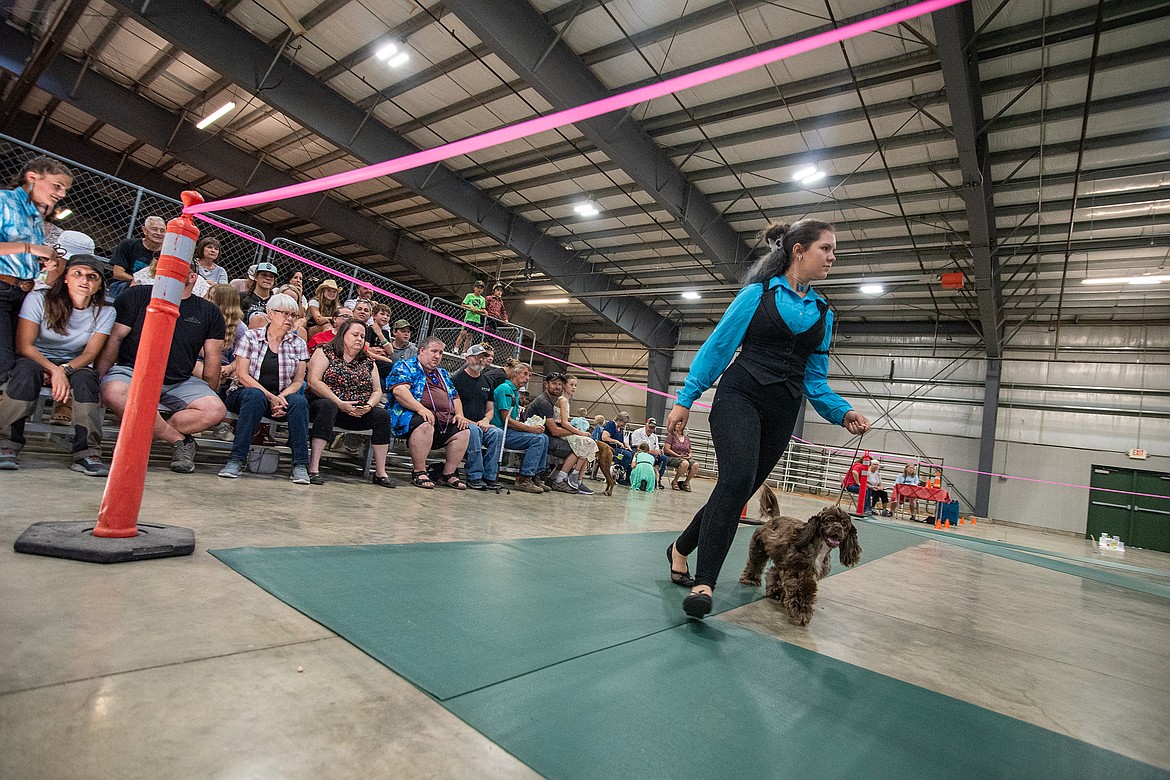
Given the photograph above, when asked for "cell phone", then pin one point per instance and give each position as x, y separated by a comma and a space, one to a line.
360, 406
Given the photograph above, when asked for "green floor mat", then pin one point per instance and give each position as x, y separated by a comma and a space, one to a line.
712, 700
453, 617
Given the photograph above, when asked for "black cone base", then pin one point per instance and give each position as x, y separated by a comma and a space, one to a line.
75, 541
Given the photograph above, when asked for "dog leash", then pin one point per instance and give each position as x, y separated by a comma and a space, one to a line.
852, 460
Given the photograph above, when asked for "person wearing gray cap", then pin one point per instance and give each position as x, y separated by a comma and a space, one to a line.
400, 346
255, 304
61, 331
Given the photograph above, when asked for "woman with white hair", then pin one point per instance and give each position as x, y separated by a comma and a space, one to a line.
270, 374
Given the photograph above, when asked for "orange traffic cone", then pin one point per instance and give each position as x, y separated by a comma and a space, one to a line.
937, 524
947, 525
974, 521
962, 521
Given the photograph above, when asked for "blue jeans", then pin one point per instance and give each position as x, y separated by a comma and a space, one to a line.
855, 489
478, 464
251, 405
535, 446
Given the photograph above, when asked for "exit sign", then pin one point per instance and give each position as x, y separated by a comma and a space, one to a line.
1138, 454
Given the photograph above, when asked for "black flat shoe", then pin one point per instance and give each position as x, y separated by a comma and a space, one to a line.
697, 605
682, 578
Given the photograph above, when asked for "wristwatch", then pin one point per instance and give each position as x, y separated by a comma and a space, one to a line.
68, 369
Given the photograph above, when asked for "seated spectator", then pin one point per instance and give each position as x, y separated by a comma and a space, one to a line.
134, 254
270, 373
909, 476
323, 306
255, 304
378, 332
678, 457
192, 401
852, 482
228, 300
519, 435
297, 282
874, 486
59, 333
345, 393
497, 375
428, 411
648, 436
598, 427
244, 286
613, 434
146, 276
477, 396
400, 347
581, 422
545, 407
643, 477
325, 336
582, 444
207, 252
363, 293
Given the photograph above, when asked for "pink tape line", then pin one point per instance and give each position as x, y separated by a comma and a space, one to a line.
595, 372
434, 313
569, 116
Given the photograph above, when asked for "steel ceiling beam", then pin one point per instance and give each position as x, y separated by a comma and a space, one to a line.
954, 30
231, 50
539, 56
47, 49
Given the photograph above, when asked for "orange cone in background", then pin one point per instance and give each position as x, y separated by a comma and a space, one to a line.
937, 524
962, 521
743, 514
974, 521
947, 525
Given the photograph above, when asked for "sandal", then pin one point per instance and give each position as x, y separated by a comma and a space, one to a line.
697, 605
683, 578
383, 481
420, 479
675, 486
685, 486
452, 481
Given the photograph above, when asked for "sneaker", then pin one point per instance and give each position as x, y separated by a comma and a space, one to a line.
527, 485
583, 491
315, 478
233, 469
90, 467
493, 484
300, 475
183, 456
477, 484
536, 480
8, 460
563, 486
224, 432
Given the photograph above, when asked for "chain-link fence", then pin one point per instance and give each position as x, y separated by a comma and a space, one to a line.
418, 318
508, 340
110, 210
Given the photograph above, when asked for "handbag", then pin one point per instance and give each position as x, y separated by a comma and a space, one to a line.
263, 460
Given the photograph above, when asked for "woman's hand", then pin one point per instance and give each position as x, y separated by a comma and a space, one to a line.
278, 404
348, 407
856, 423
678, 413
60, 384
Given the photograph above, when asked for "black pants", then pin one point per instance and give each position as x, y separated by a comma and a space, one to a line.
11, 299
325, 416
750, 427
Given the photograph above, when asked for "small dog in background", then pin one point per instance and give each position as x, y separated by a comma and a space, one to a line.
799, 551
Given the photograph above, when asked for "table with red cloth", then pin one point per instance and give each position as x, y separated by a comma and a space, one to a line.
924, 492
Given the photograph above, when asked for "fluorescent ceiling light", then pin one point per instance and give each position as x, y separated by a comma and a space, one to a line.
545, 301
872, 289
399, 59
586, 209
815, 177
216, 114
691, 295
63, 213
1127, 280
804, 172
387, 51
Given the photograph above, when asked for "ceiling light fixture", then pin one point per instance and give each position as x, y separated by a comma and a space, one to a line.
387, 51
545, 301
1128, 280
216, 114
691, 295
63, 213
587, 209
872, 289
398, 60
804, 172
813, 178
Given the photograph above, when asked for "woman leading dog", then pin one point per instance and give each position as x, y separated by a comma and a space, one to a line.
782, 329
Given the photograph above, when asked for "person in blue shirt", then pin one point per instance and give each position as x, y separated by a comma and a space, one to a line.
782, 329
39, 186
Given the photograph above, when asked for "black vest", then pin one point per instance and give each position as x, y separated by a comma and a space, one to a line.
771, 353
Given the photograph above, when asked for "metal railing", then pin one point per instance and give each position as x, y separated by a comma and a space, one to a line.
507, 342
110, 210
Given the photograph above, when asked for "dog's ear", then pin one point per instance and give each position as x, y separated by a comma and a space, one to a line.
769, 505
850, 552
808, 532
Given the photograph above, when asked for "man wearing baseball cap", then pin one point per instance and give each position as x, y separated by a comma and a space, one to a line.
255, 304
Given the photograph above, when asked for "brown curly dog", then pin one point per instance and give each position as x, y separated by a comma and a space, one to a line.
605, 464
799, 551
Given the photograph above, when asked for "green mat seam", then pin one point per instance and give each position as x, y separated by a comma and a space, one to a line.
1005, 550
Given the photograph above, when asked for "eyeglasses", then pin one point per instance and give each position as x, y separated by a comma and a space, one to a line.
285, 313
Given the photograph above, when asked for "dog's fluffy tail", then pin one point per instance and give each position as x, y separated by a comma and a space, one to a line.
769, 505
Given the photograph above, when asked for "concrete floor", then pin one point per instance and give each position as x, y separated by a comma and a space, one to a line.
181, 667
